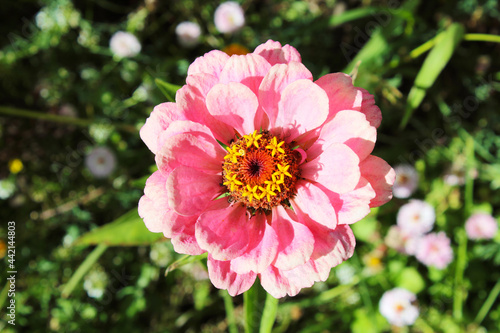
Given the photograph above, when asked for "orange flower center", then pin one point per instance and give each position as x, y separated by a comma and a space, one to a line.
260, 171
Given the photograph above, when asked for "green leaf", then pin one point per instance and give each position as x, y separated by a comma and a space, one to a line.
127, 230
411, 280
446, 43
364, 231
168, 89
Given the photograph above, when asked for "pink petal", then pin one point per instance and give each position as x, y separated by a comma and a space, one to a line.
158, 121
223, 278
154, 203
341, 93
182, 126
190, 191
354, 205
183, 238
296, 242
275, 54
381, 177
365, 103
303, 107
153, 218
261, 250
202, 82
314, 202
275, 81
248, 69
344, 245
234, 104
336, 168
211, 63
340, 247
224, 233
273, 281
196, 149
350, 128
192, 104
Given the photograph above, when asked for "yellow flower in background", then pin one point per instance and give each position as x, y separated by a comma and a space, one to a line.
15, 166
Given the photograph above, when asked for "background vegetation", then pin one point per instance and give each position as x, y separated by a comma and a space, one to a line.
433, 67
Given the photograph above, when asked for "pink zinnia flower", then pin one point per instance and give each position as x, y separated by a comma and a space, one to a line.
416, 217
406, 181
229, 17
481, 226
434, 249
397, 306
296, 171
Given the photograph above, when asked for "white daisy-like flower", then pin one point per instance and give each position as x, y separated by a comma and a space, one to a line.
124, 45
416, 217
406, 181
101, 162
229, 17
188, 33
397, 306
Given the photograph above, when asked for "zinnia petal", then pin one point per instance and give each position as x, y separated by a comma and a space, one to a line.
381, 176
234, 104
261, 250
303, 107
296, 242
190, 191
223, 277
224, 233
336, 168
274, 53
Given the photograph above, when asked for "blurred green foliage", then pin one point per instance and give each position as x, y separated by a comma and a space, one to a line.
56, 52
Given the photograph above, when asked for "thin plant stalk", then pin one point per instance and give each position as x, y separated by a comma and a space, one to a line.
228, 304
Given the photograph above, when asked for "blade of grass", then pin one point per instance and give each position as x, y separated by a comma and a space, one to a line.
444, 47
482, 38
228, 304
83, 269
488, 303
269, 314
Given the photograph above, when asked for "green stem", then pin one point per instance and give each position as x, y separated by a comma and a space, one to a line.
250, 299
482, 38
228, 304
83, 269
417, 52
7, 110
461, 237
269, 314
488, 303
